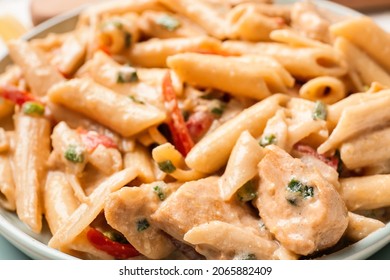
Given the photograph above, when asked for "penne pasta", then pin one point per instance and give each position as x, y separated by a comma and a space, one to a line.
32, 137
212, 152
362, 30
326, 89
97, 102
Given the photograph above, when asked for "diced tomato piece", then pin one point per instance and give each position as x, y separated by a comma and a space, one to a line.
117, 250
92, 139
199, 123
180, 134
332, 161
16, 95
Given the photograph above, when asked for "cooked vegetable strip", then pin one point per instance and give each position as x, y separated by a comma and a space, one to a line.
181, 137
97, 102
118, 250
16, 95
31, 154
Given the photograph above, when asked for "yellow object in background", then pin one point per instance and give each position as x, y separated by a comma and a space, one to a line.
10, 28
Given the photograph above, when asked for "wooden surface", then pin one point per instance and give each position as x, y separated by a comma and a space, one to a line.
365, 5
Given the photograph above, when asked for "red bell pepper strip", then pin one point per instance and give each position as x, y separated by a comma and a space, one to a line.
181, 137
332, 161
199, 123
92, 139
16, 95
118, 250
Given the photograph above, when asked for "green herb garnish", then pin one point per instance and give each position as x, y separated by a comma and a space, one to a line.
142, 225
74, 154
116, 237
247, 192
136, 100
245, 256
319, 112
168, 22
33, 108
128, 39
217, 111
297, 191
268, 140
159, 192
166, 166
127, 75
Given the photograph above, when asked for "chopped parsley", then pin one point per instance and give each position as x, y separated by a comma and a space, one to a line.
74, 154
142, 225
136, 100
128, 39
319, 112
217, 111
297, 190
127, 75
268, 140
33, 108
247, 192
116, 237
159, 192
245, 256
167, 22
166, 166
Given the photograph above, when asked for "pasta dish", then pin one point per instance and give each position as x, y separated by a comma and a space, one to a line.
208, 129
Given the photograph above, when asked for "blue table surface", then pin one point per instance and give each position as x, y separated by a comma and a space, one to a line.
9, 252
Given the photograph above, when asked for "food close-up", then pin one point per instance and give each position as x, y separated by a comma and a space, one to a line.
205, 130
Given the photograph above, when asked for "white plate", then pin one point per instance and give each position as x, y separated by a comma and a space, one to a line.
34, 245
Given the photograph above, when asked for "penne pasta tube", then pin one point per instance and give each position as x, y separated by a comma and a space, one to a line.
88, 211
368, 70
357, 119
362, 30
7, 185
32, 147
154, 52
101, 104
201, 13
247, 22
235, 77
59, 200
141, 159
326, 89
40, 75
367, 149
335, 110
303, 63
242, 165
360, 227
212, 152
366, 192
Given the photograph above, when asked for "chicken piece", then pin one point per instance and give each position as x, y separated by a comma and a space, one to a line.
199, 202
298, 205
128, 211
